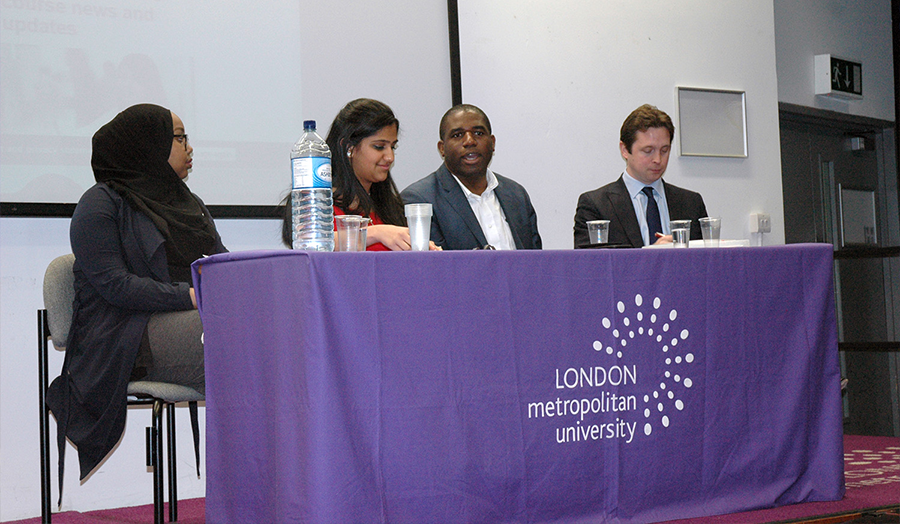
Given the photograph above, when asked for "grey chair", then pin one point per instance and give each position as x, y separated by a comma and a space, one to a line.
54, 322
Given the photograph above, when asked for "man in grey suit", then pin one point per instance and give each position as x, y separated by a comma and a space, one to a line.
472, 207
634, 219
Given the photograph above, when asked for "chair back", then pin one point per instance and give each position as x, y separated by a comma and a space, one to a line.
59, 294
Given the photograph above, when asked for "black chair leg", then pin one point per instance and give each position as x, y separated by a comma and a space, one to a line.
43, 384
173, 482
195, 429
154, 459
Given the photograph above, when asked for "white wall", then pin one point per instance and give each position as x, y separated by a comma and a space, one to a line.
557, 83
857, 30
398, 36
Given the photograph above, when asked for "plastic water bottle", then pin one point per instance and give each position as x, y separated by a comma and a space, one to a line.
312, 218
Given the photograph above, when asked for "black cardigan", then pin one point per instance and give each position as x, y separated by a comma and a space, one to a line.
121, 277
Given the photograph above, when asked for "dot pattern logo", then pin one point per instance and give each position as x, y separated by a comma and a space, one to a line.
642, 326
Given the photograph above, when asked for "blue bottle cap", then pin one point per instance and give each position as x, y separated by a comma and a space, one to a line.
309, 125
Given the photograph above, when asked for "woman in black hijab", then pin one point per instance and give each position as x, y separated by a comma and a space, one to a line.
134, 234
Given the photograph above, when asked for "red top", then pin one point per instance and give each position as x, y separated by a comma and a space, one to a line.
376, 220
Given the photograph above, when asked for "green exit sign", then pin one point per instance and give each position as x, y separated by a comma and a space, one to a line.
838, 77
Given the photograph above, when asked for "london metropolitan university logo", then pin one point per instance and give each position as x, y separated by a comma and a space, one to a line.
616, 395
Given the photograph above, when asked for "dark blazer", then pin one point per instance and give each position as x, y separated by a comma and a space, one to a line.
612, 202
453, 223
121, 277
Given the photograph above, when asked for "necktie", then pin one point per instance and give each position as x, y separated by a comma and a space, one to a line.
654, 225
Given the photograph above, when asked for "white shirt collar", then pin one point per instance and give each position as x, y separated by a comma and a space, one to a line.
635, 186
491, 185
489, 213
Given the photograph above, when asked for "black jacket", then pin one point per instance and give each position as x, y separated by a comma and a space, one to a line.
612, 202
121, 277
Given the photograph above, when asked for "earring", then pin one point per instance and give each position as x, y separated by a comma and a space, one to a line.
349, 153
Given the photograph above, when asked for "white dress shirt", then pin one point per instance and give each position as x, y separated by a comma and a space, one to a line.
489, 214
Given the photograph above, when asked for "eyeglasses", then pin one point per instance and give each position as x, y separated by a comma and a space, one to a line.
182, 139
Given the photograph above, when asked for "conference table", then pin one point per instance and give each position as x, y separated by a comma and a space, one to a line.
625, 385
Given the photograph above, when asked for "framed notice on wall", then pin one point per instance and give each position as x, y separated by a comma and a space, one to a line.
857, 214
712, 122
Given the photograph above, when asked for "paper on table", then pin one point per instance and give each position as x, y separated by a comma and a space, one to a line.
699, 243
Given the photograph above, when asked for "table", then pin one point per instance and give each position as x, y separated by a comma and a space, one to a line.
487, 386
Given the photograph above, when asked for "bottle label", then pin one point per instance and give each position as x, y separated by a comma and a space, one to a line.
311, 172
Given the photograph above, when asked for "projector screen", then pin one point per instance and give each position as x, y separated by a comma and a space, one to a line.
242, 75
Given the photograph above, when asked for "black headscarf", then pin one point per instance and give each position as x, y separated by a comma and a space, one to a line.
131, 155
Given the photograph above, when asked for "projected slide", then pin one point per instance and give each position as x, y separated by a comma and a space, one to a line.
230, 70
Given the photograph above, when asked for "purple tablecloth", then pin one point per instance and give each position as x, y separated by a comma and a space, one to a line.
557, 386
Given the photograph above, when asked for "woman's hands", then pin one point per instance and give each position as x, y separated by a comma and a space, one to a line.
395, 238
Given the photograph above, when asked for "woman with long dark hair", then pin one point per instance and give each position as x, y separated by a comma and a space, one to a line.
362, 140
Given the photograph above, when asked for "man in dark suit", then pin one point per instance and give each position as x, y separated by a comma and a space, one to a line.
635, 219
472, 207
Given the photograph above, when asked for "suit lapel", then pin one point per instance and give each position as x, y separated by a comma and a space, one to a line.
457, 200
673, 202
505, 196
623, 208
